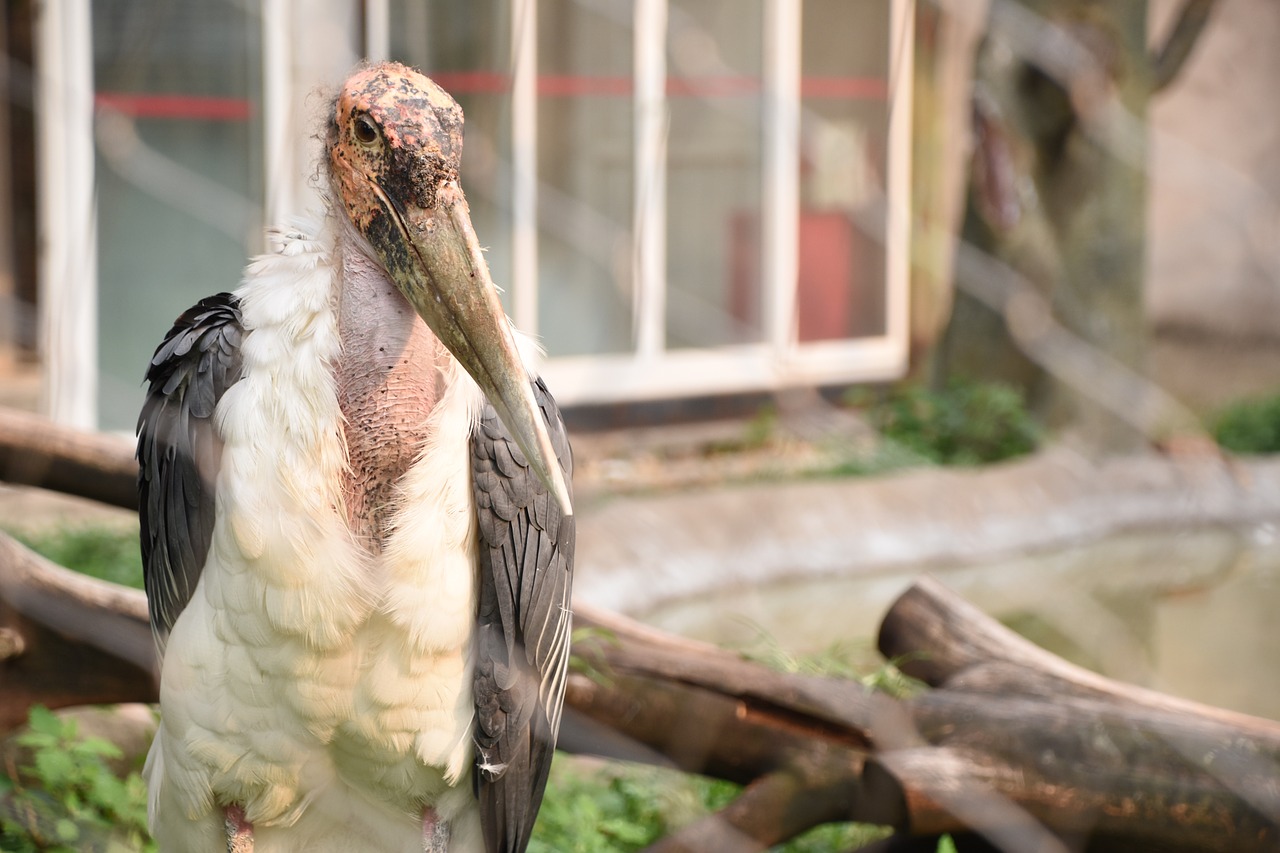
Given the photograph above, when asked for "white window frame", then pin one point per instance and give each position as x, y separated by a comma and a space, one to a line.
68, 244
67, 226
67, 216
651, 371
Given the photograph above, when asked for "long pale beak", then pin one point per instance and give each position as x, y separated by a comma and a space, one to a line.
445, 278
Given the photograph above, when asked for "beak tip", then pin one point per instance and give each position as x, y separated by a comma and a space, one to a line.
562, 498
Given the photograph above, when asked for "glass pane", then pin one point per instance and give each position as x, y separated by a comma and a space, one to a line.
584, 176
843, 147
179, 173
714, 62
466, 48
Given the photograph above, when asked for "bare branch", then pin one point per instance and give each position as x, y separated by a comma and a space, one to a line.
1170, 58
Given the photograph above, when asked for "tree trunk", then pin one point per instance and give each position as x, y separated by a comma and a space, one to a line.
1057, 196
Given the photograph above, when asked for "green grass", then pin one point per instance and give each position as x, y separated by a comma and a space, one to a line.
598, 807
839, 660
108, 553
967, 423
1249, 426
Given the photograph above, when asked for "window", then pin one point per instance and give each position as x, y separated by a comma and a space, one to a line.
680, 197
844, 152
715, 156
466, 48
714, 190
178, 170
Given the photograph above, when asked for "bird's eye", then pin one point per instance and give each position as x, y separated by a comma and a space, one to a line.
365, 130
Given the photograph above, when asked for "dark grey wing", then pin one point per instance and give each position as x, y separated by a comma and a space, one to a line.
179, 451
522, 645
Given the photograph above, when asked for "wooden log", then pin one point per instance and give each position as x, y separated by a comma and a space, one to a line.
1010, 766
1062, 756
945, 641
772, 809
34, 451
681, 703
70, 639
832, 708
1077, 752
683, 726
1028, 770
1168, 59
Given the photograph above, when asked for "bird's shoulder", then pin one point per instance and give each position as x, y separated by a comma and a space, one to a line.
179, 450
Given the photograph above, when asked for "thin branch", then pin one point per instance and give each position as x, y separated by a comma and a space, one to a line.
1170, 58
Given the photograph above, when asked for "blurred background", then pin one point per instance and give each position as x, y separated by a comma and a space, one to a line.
767, 245
685, 199
649, 178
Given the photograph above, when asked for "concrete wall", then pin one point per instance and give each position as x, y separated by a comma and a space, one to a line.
1214, 265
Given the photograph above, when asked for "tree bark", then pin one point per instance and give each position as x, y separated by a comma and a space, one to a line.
67, 639
37, 452
1057, 197
1011, 743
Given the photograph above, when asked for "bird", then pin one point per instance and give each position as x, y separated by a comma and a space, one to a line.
357, 526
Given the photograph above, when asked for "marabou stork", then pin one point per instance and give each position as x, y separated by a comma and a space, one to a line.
356, 523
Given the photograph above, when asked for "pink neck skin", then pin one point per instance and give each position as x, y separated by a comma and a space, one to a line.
388, 381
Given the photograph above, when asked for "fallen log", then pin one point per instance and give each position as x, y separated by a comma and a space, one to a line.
1027, 768
1090, 754
35, 451
945, 641
1011, 743
67, 639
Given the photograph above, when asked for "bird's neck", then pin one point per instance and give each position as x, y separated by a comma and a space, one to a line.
388, 380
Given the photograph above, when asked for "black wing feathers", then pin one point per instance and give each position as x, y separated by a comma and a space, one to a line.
526, 562
179, 451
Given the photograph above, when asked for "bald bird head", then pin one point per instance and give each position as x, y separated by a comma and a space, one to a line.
394, 147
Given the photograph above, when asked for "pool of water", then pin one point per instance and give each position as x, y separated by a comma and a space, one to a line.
1195, 613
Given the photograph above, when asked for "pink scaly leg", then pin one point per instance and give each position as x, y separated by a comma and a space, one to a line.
239, 831
435, 832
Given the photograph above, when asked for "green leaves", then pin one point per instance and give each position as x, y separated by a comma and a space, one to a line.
967, 423
1250, 426
604, 807
67, 798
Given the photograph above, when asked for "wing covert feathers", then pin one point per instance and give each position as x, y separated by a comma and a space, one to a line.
524, 623
179, 451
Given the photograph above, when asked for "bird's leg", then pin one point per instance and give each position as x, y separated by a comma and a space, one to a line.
435, 832
239, 831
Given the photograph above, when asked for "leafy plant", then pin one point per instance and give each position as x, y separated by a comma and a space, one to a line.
967, 423
67, 799
108, 553
595, 811
839, 660
586, 656
1250, 426
596, 807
